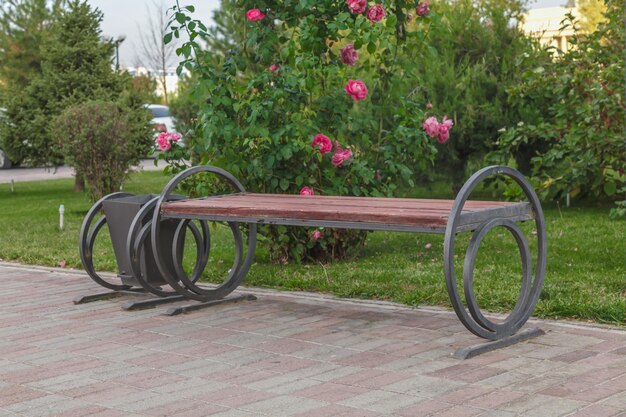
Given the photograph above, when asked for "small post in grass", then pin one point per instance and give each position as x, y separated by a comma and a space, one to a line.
61, 212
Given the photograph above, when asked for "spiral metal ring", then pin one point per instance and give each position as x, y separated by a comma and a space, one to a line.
473, 319
138, 235
177, 279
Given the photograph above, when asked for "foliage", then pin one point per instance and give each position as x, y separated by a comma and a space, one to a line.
574, 108
101, 140
186, 105
592, 12
145, 87
229, 30
24, 24
473, 60
286, 83
75, 67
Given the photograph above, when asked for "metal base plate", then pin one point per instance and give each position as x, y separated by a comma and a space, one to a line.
150, 303
173, 311
82, 299
471, 351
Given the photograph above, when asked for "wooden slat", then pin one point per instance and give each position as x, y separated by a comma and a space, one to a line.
411, 212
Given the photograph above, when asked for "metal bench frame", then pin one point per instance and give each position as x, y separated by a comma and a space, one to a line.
504, 332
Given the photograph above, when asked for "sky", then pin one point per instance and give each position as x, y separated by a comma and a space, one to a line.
126, 17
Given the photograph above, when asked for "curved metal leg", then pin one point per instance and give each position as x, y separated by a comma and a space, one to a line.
177, 279
469, 313
138, 235
87, 239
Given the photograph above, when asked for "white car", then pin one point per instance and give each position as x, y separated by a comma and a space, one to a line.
162, 121
5, 162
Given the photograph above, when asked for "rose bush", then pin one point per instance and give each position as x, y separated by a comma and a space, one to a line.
338, 117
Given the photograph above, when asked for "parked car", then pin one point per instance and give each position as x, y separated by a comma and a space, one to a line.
162, 121
5, 162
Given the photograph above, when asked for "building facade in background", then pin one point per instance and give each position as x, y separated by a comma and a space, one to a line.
545, 23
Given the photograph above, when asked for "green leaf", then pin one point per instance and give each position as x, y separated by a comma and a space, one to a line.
168, 38
610, 188
371, 47
284, 184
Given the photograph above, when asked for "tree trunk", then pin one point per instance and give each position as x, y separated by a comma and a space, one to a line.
79, 183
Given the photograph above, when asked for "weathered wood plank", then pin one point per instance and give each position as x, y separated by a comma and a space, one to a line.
263, 208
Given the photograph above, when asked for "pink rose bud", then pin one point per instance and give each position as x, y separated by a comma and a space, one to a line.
357, 6
443, 135
444, 130
254, 15
431, 126
316, 235
356, 89
340, 156
429, 105
349, 55
273, 68
323, 143
306, 191
423, 9
375, 13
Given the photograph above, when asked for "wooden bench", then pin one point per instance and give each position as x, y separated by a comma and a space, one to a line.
448, 217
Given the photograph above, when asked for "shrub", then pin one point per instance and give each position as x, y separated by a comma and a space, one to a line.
297, 77
574, 107
474, 55
102, 140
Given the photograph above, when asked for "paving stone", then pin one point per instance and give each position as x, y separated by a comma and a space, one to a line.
283, 406
284, 355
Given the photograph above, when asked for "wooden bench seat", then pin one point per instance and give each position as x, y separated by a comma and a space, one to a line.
371, 213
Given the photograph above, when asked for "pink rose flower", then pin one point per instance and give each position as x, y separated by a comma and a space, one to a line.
428, 245
349, 55
431, 126
254, 15
356, 89
306, 191
422, 9
340, 156
375, 13
316, 235
273, 68
444, 130
357, 6
323, 143
163, 142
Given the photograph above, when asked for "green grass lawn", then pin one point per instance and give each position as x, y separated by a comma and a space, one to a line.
586, 276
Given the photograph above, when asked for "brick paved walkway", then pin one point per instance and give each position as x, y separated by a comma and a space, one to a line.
283, 355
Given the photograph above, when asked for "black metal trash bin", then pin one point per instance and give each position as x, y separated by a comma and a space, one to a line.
120, 213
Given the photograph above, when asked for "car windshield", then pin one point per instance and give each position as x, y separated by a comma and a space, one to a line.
160, 111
